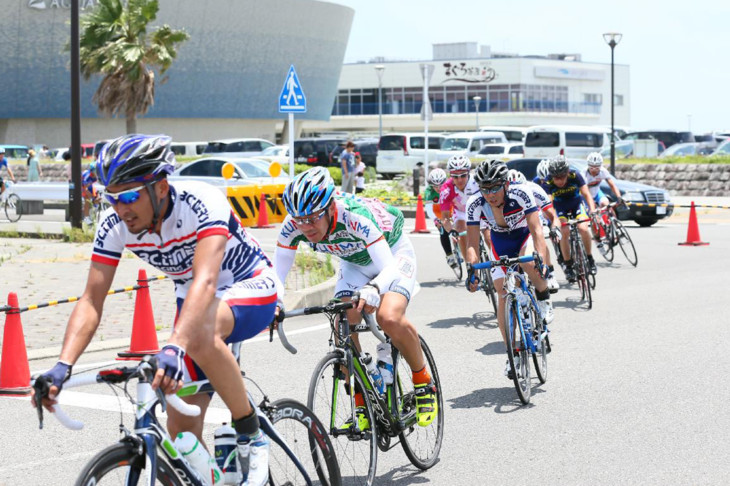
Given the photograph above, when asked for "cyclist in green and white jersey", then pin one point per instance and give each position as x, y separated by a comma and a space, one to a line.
377, 260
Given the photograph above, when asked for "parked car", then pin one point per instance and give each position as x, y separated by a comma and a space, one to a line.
571, 141
15, 151
723, 149
686, 149
513, 134
98, 146
237, 147
188, 149
501, 151
623, 148
630, 192
248, 171
667, 137
400, 152
275, 153
368, 149
468, 143
316, 151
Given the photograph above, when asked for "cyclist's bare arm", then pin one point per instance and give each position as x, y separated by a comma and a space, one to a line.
588, 198
614, 188
472, 243
535, 227
10, 173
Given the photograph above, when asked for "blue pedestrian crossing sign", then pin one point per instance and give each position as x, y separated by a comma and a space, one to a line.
292, 99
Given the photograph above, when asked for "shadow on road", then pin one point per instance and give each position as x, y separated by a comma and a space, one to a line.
502, 400
406, 474
441, 283
477, 321
493, 348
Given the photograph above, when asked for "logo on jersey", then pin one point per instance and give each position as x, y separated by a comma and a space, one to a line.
196, 205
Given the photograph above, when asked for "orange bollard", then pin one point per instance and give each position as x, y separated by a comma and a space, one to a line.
14, 369
420, 218
263, 221
144, 336
693, 230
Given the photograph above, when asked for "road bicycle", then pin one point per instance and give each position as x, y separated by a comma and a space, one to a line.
390, 415
586, 281
11, 203
525, 326
147, 455
485, 275
96, 209
609, 232
458, 268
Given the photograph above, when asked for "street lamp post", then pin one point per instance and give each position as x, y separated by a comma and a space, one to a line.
477, 101
379, 68
612, 39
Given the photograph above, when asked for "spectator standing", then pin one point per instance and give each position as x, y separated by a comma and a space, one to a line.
347, 162
360, 173
34, 167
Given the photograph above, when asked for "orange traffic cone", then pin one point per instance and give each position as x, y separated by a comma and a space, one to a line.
14, 370
144, 336
693, 230
420, 218
263, 221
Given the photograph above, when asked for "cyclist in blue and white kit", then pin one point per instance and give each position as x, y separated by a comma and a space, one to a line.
513, 218
594, 174
225, 285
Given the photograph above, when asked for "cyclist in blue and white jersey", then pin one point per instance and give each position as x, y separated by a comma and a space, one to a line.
377, 260
513, 218
226, 287
594, 174
569, 191
548, 219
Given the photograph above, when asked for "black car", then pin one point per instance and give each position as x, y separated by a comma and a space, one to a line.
630, 192
316, 151
368, 149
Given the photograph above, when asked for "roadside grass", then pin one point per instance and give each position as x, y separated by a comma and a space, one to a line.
78, 235
315, 269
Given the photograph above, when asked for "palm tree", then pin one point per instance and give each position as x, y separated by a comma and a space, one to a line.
115, 43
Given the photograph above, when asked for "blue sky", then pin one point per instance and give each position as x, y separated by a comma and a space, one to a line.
675, 49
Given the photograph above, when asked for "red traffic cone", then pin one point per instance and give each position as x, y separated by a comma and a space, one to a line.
14, 370
420, 218
693, 230
144, 336
263, 221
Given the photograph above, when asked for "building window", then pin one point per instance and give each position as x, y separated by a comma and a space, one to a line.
592, 98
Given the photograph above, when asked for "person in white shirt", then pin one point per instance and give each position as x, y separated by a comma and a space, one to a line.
359, 174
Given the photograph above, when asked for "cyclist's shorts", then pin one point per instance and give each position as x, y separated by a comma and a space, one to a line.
509, 244
577, 211
88, 192
253, 302
600, 196
352, 277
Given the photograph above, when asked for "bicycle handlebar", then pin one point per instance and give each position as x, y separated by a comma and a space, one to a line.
503, 261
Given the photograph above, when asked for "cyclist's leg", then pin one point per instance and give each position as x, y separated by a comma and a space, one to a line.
445, 241
584, 230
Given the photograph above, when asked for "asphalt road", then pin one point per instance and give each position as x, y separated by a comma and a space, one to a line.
635, 393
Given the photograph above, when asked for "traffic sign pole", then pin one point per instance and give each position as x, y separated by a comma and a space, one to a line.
291, 145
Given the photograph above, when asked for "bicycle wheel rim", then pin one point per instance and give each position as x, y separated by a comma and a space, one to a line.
521, 369
307, 438
13, 208
539, 358
489, 290
456, 251
112, 465
357, 458
627, 245
422, 445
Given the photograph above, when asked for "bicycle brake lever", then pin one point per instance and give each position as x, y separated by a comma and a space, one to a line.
41, 387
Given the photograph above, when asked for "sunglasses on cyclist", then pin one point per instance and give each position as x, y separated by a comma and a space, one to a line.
459, 176
125, 197
491, 189
311, 219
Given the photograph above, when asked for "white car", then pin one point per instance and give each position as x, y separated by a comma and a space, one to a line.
275, 153
237, 147
400, 152
501, 151
468, 143
247, 172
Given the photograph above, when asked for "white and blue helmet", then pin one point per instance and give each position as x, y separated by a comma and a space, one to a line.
309, 192
135, 158
595, 159
543, 169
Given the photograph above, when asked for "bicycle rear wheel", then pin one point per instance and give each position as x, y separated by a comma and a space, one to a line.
624, 241
307, 438
516, 351
13, 208
421, 444
329, 400
456, 251
116, 463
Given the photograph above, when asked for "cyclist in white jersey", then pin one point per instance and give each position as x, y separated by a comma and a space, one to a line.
225, 285
548, 218
453, 197
377, 260
594, 174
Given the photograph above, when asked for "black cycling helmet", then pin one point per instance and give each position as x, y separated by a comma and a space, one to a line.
491, 172
558, 166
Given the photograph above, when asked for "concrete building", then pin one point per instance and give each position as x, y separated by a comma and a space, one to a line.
511, 90
225, 82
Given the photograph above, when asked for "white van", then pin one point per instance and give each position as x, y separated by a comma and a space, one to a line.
513, 134
188, 149
468, 143
572, 141
400, 152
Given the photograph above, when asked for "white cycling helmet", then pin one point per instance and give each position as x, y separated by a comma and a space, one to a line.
543, 169
437, 177
516, 176
459, 163
595, 159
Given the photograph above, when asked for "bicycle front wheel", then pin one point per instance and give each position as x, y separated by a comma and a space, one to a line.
627, 246
13, 208
421, 444
542, 344
329, 399
456, 251
486, 274
121, 464
308, 440
516, 351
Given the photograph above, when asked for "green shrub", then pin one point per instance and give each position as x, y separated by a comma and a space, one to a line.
335, 172
316, 269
